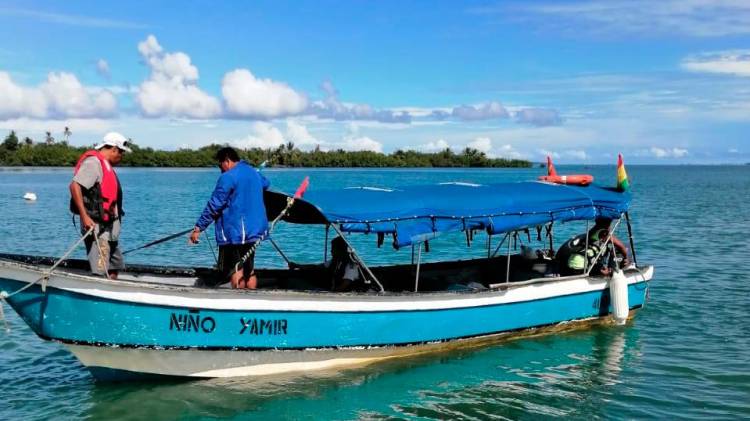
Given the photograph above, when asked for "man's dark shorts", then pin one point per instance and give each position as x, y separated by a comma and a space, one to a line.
230, 255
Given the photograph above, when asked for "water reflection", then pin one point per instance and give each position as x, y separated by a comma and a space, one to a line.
565, 374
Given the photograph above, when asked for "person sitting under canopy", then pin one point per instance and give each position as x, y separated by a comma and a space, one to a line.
575, 255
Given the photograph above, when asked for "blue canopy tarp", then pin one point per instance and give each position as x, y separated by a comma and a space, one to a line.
415, 213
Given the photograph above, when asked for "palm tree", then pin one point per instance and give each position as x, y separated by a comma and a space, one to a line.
67, 133
48, 138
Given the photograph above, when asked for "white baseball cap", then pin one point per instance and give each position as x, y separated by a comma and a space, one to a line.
114, 139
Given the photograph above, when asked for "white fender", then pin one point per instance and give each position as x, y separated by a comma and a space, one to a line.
618, 293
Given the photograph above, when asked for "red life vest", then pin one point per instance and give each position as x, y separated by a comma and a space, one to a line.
109, 185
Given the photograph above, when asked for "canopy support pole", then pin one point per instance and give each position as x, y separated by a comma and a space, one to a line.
551, 236
281, 253
630, 235
497, 249
586, 250
507, 265
489, 244
325, 245
359, 259
419, 263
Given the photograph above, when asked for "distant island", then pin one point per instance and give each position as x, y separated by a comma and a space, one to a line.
50, 153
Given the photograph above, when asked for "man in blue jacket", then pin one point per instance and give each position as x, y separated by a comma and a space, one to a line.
237, 207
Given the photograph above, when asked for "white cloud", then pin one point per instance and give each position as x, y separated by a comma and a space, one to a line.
508, 151
65, 19
331, 107
248, 96
436, 146
733, 151
697, 18
61, 96
360, 143
171, 87
299, 134
102, 67
87, 130
490, 110
354, 141
662, 153
736, 62
482, 144
539, 117
574, 154
577, 154
547, 153
264, 135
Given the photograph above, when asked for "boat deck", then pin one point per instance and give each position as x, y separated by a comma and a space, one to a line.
461, 275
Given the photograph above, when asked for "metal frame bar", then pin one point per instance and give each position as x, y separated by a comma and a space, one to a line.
551, 239
359, 259
630, 235
586, 250
419, 263
507, 264
489, 245
281, 253
494, 253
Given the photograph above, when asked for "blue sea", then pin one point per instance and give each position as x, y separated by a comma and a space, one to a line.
686, 354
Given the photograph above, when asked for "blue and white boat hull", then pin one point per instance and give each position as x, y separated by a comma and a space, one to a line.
128, 326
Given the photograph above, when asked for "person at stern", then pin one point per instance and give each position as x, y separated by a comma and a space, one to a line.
236, 205
96, 196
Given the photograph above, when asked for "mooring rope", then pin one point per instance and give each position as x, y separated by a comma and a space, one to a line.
102, 258
4, 295
208, 241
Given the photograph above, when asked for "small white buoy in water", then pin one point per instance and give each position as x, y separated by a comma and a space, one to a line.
618, 293
30, 196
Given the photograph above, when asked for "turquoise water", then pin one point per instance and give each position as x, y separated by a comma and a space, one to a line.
686, 355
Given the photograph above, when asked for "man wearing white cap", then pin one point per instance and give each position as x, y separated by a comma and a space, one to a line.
96, 196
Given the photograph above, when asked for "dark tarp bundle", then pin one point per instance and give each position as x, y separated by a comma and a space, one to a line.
417, 213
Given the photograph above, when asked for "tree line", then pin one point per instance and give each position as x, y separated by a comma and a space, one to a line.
26, 152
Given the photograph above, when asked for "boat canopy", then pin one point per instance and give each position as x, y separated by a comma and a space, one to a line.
417, 213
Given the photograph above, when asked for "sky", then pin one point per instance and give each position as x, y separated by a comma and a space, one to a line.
662, 82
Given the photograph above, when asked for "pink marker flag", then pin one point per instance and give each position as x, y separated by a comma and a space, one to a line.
302, 188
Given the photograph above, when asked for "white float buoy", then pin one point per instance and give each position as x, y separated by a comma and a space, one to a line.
30, 196
618, 293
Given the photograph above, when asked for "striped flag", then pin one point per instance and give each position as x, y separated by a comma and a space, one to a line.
622, 177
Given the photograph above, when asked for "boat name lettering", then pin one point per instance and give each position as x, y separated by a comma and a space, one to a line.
191, 323
263, 327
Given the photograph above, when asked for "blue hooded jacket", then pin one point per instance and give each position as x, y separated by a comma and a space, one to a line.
237, 206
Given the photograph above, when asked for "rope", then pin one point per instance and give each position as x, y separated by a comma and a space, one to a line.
4, 295
105, 261
254, 246
211, 246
